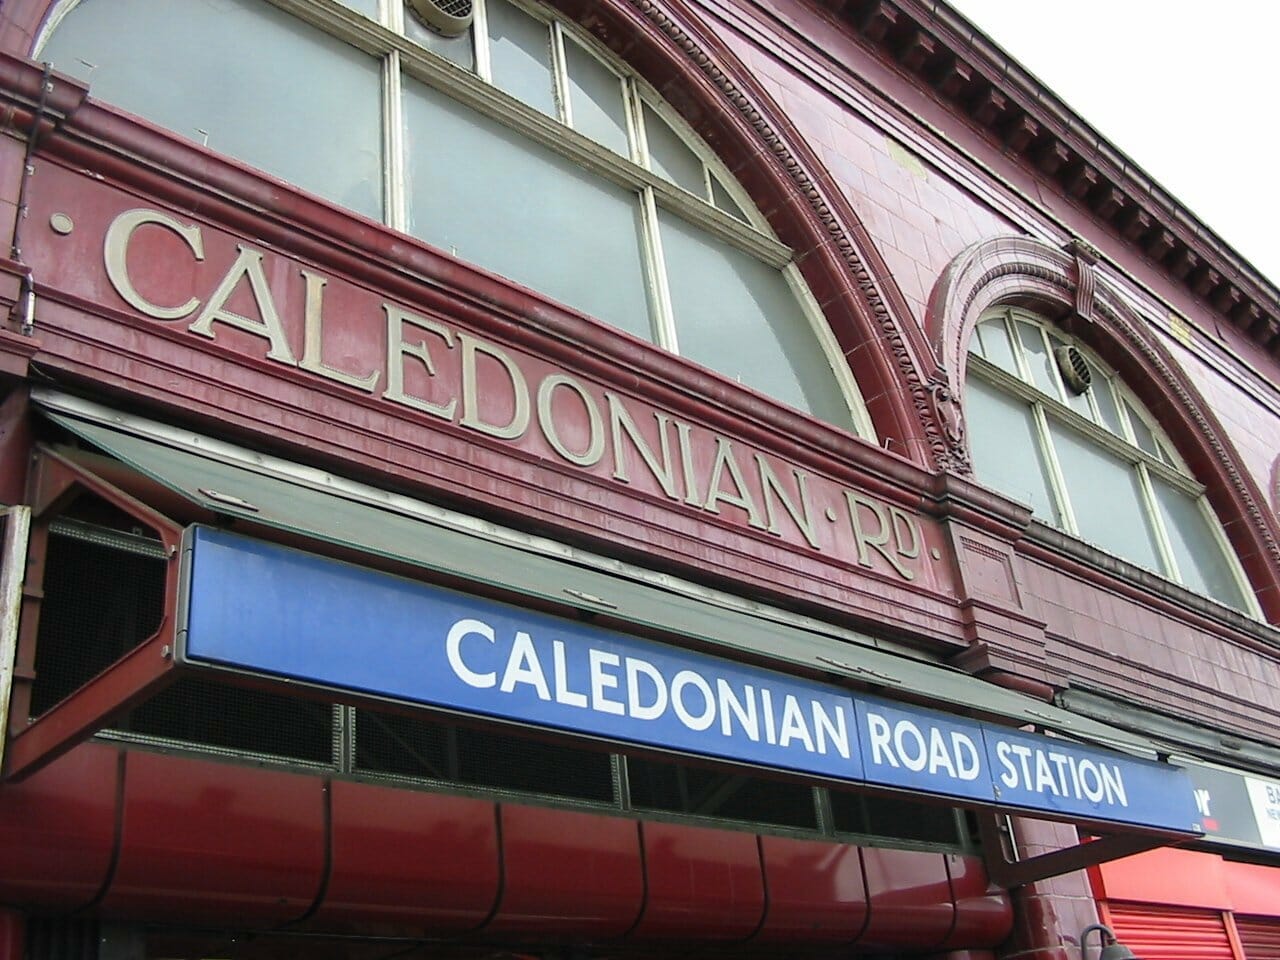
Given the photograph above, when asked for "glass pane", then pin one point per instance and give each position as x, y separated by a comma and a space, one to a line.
670, 157
458, 49
720, 196
994, 336
1102, 393
1039, 361
1201, 561
368, 7
595, 95
1006, 453
737, 316
520, 55
490, 196
1106, 497
1141, 432
245, 78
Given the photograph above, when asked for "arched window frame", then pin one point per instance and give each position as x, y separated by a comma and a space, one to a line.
1066, 285
1128, 444
387, 35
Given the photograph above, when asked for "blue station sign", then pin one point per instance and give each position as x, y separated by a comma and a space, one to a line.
275, 612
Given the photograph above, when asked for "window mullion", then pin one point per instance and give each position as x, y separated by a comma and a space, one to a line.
661, 314
1015, 343
393, 144
391, 14
1057, 480
560, 74
1098, 435
344, 738
1064, 395
1163, 545
635, 128
480, 31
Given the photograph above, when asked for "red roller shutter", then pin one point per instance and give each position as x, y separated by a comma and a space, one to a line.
1259, 938
1170, 933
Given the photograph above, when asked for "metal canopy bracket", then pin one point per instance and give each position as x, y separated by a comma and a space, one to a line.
1014, 872
135, 676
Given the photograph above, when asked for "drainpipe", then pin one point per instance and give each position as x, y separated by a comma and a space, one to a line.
26, 307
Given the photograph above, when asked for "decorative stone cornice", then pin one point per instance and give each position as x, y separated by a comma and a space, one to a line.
944, 53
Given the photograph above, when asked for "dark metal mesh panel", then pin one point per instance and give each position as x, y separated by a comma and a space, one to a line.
893, 818
61, 939
726, 795
432, 750
99, 603
209, 714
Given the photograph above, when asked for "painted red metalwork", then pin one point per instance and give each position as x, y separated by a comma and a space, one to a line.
12, 935
203, 841
701, 884
816, 892
984, 913
206, 842
567, 871
408, 863
910, 898
140, 672
58, 831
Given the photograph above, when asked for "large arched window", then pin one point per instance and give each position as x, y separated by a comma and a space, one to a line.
522, 146
1051, 425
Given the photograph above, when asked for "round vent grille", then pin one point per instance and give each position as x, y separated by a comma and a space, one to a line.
449, 18
1075, 371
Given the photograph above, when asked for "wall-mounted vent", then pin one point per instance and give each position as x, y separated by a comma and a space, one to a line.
1075, 371
449, 18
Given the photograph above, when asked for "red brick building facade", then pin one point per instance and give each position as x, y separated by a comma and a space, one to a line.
815, 340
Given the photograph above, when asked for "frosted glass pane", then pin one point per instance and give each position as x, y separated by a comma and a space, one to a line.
720, 196
1079, 402
245, 78
1101, 391
497, 199
1006, 456
595, 95
1039, 362
737, 316
458, 49
520, 55
1141, 432
1106, 498
368, 7
1201, 561
669, 156
994, 337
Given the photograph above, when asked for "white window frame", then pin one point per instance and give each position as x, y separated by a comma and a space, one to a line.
385, 38
1021, 386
